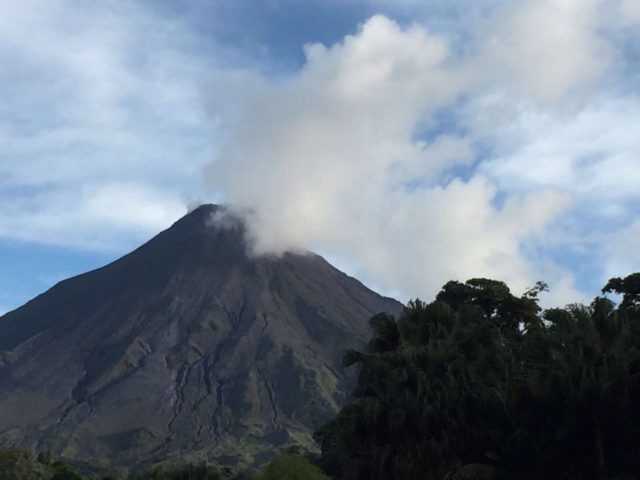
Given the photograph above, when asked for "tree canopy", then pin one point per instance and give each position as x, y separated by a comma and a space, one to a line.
290, 466
482, 382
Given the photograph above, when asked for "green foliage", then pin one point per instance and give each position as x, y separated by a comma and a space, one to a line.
45, 457
481, 380
184, 472
15, 464
19, 464
290, 467
628, 287
64, 472
22, 464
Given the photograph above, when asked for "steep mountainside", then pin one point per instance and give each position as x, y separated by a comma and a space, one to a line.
184, 346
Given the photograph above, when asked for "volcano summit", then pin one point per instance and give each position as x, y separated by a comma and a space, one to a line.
187, 346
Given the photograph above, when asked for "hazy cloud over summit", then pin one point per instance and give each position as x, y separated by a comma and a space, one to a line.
351, 155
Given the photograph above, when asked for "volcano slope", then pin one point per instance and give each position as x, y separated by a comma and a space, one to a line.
187, 346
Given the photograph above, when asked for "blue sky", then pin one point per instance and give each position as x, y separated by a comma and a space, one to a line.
410, 142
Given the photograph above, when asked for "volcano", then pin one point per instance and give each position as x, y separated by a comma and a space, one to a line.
188, 347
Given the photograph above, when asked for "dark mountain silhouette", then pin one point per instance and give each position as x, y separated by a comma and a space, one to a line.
186, 346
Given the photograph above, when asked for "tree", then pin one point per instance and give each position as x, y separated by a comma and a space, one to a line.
289, 466
481, 382
64, 472
426, 393
182, 472
45, 457
592, 381
19, 464
628, 287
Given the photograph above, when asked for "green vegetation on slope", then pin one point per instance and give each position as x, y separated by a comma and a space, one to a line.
20, 464
289, 466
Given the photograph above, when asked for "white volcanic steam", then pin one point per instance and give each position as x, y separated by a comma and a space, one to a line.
411, 159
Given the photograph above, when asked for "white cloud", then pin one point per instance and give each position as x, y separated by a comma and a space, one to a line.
102, 107
621, 254
542, 146
328, 159
551, 48
102, 216
317, 129
586, 152
630, 10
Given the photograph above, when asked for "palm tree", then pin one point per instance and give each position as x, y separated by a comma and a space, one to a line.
594, 364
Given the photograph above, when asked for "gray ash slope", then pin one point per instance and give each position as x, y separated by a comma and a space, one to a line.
186, 346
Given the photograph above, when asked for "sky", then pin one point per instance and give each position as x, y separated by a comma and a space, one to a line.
409, 142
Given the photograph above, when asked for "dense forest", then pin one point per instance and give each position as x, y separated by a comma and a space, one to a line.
483, 384
478, 384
